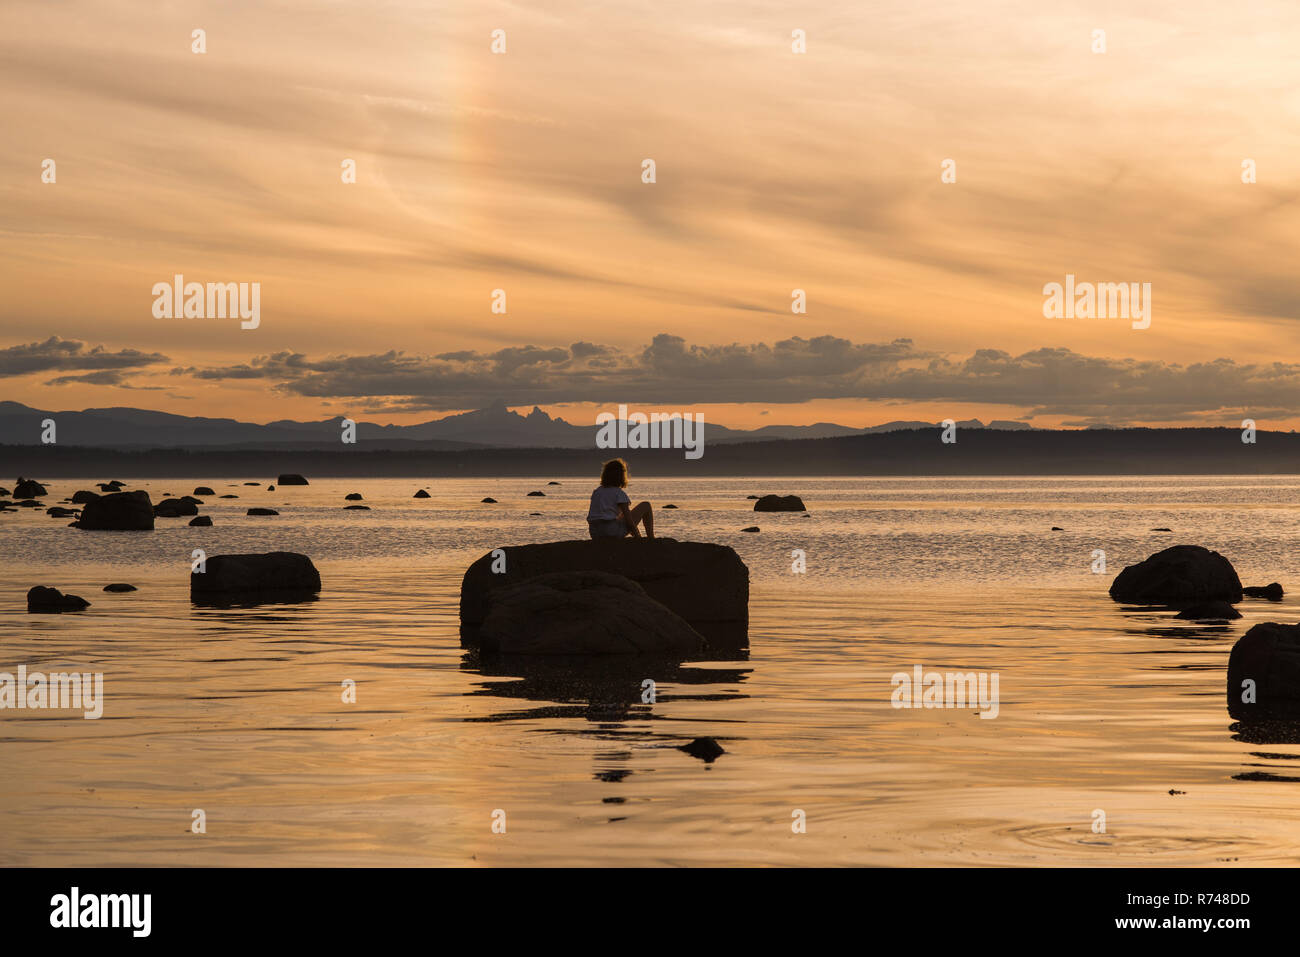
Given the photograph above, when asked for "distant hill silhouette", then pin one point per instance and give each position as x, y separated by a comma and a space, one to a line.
906, 452
493, 427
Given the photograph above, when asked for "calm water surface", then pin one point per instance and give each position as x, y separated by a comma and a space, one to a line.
239, 712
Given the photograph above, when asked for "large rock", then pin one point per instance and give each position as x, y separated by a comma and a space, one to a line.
583, 613
779, 503
120, 511
247, 579
1269, 656
291, 478
1179, 575
27, 488
705, 584
43, 600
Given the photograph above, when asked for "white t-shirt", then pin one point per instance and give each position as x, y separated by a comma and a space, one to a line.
605, 501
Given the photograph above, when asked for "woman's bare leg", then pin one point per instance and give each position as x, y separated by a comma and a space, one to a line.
643, 514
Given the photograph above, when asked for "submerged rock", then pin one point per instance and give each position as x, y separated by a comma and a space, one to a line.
58, 511
1209, 611
291, 478
201, 521
245, 579
229, 496
356, 508
552, 483
669, 506
706, 749
583, 613
118, 511
1272, 591
536, 495
779, 503
1264, 674
120, 587
262, 511
752, 528
1176, 576
43, 600
705, 584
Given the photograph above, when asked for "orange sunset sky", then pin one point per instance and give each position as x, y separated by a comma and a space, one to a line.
775, 171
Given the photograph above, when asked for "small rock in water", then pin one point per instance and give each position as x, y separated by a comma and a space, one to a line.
352, 497
780, 503
1162, 529
1273, 591
420, 493
203, 490
202, 521
43, 600
1210, 611
356, 508
270, 488
491, 501
230, 496
552, 483
120, 586
252, 483
536, 494
534, 513
28, 488
752, 528
706, 749
83, 496
58, 511
262, 511
1057, 528
747, 497
291, 478
670, 506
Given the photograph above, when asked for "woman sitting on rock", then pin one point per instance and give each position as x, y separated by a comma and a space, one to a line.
611, 514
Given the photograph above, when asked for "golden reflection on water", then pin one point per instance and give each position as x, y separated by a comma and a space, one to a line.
239, 712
